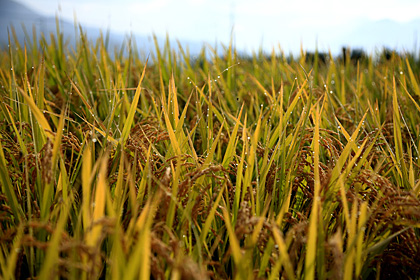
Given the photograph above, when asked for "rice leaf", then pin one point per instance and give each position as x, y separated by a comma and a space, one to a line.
130, 117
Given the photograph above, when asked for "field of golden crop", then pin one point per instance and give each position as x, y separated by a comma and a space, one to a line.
213, 167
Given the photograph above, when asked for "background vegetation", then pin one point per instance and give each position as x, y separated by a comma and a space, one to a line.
209, 166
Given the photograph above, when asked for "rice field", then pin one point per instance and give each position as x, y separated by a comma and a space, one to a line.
115, 165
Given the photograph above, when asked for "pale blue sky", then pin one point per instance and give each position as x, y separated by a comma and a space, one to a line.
264, 22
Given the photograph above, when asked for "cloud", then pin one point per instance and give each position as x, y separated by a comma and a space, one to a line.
147, 6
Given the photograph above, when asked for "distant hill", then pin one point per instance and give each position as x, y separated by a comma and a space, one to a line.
17, 15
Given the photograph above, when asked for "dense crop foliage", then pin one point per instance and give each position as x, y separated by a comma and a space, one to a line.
213, 166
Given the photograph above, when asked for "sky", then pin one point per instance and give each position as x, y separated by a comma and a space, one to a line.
328, 24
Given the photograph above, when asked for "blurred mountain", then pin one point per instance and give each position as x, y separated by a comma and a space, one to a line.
23, 18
